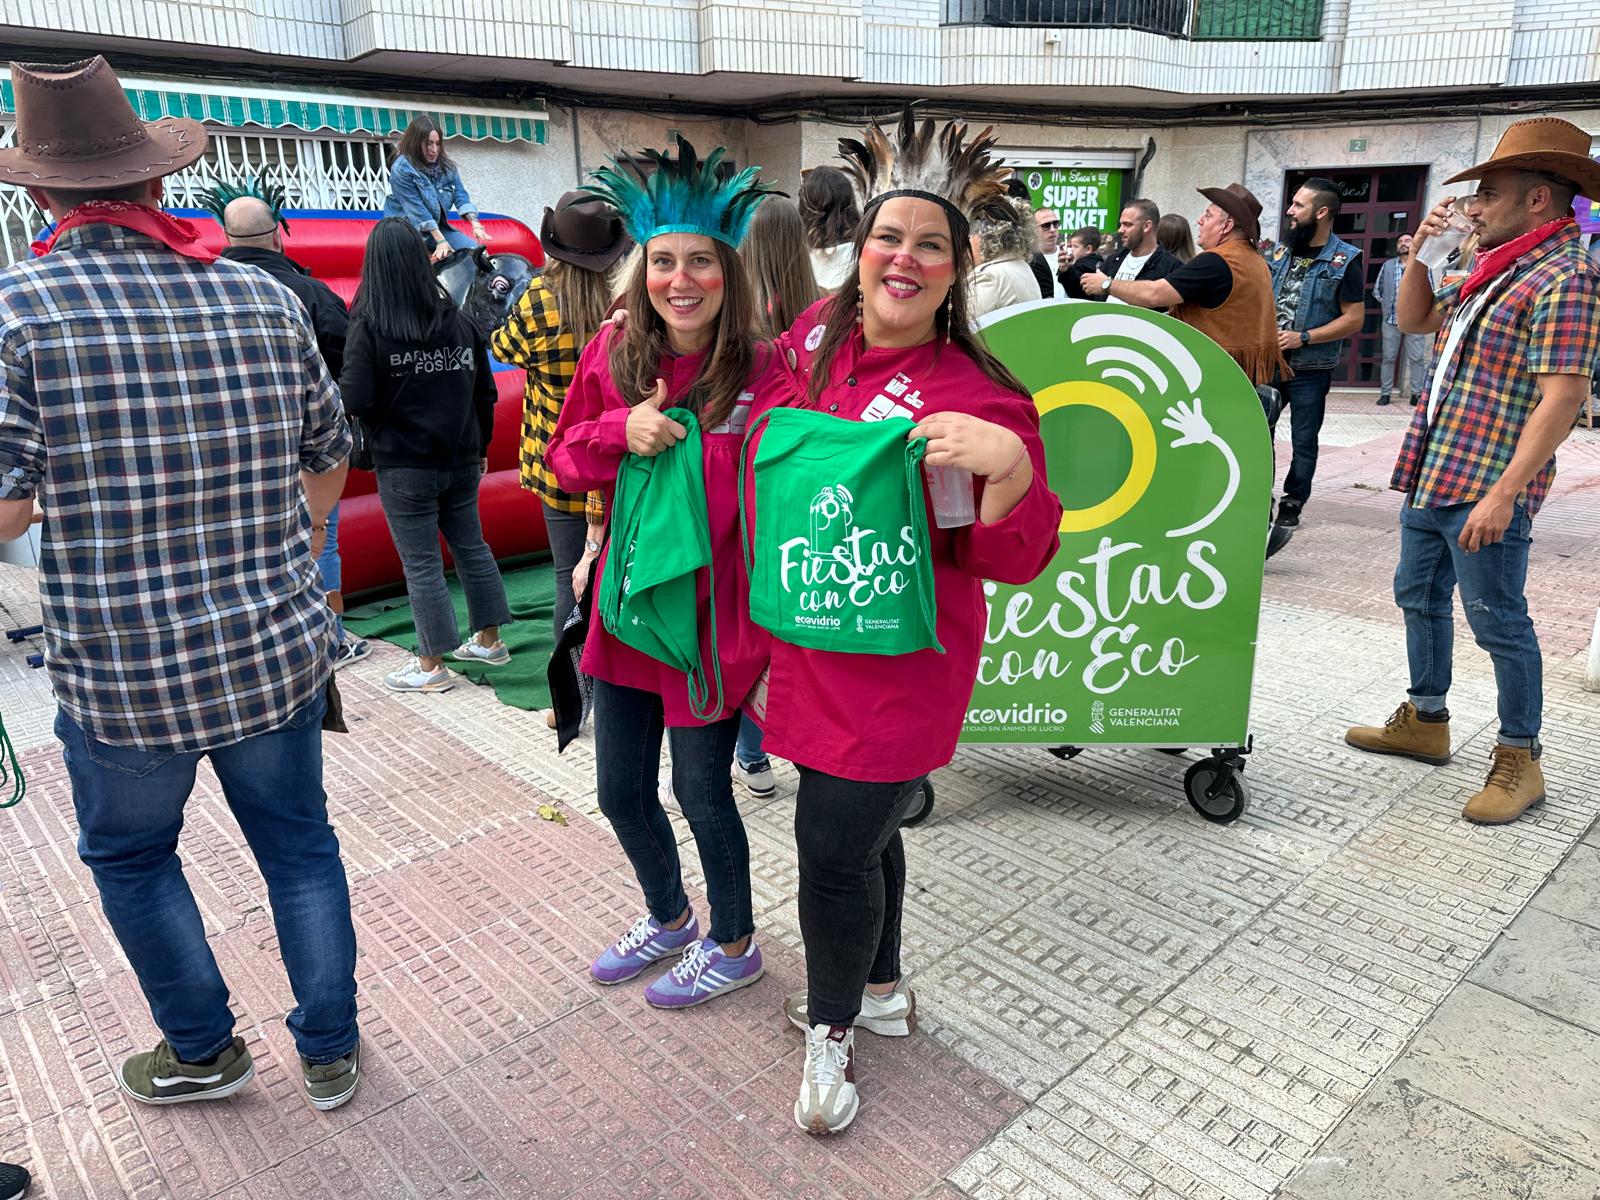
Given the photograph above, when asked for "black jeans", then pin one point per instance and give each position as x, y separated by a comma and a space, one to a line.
627, 733
852, 887
567, 534
1306, 398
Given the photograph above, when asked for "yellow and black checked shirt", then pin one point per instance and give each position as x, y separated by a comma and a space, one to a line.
533, 339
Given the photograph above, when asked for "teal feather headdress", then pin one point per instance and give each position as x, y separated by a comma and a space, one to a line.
216, 200
682, 195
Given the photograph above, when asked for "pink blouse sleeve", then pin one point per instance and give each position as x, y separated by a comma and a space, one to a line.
1019, 546
591, 434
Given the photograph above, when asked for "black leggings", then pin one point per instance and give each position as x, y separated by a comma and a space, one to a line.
852, 887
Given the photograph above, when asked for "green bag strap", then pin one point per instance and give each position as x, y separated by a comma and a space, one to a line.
927, 602
704, 700
746, 534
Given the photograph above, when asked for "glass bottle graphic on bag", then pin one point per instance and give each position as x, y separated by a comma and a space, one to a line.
831, 520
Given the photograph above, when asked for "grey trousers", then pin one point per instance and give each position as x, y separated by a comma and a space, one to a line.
1413, 347
567, 532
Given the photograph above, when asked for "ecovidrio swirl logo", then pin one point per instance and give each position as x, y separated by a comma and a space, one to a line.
1143, 628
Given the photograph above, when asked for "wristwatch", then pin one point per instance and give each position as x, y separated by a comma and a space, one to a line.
1105, 285
592, 546
1305, 337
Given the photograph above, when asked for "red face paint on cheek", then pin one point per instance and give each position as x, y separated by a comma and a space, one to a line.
876, 255
938, 270
658, 285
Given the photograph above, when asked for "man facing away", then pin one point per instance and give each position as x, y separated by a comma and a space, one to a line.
1518, 340
1412, 348
175, 421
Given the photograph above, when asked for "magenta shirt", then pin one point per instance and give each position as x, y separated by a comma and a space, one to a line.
586, 451
883, 719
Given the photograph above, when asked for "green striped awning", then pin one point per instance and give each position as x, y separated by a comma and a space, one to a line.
380, 116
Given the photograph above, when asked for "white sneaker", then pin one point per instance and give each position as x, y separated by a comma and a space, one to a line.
758, 784
474, 651
412, 678
828, 1100
894, 1015
664, 793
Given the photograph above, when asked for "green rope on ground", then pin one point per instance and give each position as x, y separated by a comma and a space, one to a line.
10, 771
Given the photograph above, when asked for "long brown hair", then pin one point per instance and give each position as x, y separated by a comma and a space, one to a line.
951, 322
828, 207
582, 298
775, 255
415, 138
635, 358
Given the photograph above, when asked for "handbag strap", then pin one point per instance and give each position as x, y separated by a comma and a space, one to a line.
927, 602
746, 534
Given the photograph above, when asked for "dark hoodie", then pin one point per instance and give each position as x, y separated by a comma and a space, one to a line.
424, 404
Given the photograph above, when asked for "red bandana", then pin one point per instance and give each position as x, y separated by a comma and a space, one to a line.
173, 232
1491, 264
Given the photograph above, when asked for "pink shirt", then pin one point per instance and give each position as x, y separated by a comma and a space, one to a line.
586, 452
885, 720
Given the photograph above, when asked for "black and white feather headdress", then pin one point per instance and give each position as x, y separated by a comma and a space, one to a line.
959, 175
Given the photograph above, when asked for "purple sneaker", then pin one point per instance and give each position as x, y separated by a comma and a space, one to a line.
639, 947
704, 973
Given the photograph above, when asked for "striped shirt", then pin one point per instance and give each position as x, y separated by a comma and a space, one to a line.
162, 409
1543, 319
532, 338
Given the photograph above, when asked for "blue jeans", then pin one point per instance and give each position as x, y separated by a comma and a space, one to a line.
456, 239
420, 503
330, 569
627, 743
1306, 397
748, 748
1432, 562
130, 811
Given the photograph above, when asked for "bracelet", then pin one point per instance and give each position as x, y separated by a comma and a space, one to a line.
1016, 463
318, 528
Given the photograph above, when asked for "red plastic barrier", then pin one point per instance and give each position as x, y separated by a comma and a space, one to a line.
331, 245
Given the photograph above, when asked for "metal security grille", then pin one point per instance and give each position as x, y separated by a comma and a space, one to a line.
337, 173
1170, 17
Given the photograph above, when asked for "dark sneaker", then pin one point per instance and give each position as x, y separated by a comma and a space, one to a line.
14, 1181
352, 649
328, 1085
159, 1077
1416, 399
1288, 513
1382, 400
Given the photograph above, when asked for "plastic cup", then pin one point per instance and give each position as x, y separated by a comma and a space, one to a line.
950, 495
1436, 250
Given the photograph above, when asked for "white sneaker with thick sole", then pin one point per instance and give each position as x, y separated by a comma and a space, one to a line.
412, 678
828, 1100
474, 651
894, 1015
759, 784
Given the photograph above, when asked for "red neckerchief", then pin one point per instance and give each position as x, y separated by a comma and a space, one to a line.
172, 232
1490, 265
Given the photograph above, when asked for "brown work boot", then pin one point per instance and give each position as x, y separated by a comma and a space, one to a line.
1406, 734
1515, 785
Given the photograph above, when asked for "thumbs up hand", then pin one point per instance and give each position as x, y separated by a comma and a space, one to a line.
649, 432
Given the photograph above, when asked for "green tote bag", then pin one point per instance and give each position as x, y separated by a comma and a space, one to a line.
839, 557
660, 540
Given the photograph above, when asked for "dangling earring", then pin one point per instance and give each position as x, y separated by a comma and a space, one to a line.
949, 315
859, 301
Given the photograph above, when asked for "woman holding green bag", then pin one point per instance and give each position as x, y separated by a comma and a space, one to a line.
865, 729
671, 646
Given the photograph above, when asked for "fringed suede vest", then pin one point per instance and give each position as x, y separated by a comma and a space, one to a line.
1246, 323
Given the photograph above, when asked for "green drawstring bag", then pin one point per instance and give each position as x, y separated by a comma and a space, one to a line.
839, 559
660, 540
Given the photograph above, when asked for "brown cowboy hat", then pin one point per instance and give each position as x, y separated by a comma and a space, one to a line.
1545, 144
77, 132
584, 231
1240, 203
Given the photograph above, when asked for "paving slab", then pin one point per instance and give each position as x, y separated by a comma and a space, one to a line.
1550, 963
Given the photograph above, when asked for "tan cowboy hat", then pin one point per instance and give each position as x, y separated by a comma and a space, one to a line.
583, 230
1546, 144
76, 131
1240, 203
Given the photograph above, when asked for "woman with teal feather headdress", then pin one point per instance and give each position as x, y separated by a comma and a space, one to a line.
686, 348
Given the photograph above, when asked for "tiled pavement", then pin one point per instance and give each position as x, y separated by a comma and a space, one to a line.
1118, 999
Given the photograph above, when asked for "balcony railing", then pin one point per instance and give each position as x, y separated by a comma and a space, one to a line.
1256, 20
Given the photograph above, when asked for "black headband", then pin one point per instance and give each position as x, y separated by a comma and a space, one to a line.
958, 219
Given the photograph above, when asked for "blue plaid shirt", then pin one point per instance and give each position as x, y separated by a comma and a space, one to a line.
163, 409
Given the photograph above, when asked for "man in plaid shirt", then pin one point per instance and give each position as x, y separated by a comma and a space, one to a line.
173, 419
1518, 340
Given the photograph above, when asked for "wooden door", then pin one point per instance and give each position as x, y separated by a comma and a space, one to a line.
1378, 206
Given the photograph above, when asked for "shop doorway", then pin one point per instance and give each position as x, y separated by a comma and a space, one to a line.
1379, 205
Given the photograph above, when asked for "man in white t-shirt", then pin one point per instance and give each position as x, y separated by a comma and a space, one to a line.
1142, 256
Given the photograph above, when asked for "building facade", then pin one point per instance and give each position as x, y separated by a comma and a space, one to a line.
1094, 100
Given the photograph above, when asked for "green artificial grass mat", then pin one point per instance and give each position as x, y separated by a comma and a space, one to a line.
530, 590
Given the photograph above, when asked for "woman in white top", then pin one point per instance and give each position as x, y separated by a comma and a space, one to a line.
828, 208
1002, 249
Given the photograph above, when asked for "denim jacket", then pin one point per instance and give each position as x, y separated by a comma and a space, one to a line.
1319, 298
423, 199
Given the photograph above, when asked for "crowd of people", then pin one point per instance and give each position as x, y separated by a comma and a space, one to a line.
189, 597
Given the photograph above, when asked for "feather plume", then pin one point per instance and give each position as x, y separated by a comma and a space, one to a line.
681, 194
961, 172
216, 200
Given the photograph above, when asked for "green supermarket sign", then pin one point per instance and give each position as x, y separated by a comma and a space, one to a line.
1083, 196
1143, 628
